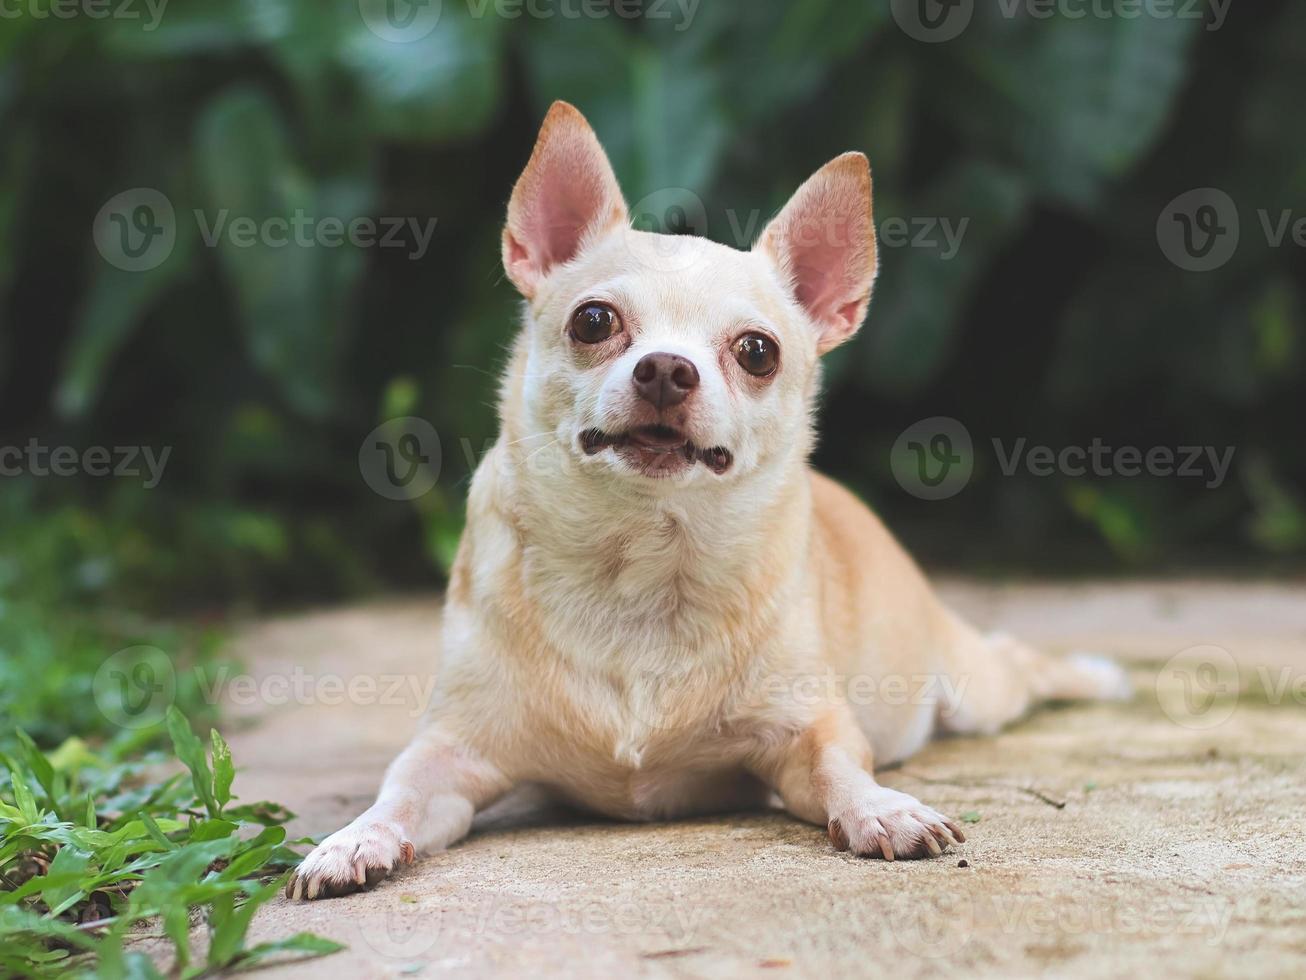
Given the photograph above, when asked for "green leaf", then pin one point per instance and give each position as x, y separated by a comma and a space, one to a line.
648, 92
302, 942
224, 771
1079, 101
263, 812
441, 85
191, 752
23, 797
213, 830
924, 288
228, 928
293, 283
156, 833
116, 304
64, 879
39, 765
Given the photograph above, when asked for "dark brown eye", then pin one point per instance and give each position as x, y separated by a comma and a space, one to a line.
594, 323
756, 354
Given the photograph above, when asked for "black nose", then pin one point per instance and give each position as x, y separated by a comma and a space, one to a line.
665, 379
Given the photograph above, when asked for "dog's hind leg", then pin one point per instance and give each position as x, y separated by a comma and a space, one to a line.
995, 679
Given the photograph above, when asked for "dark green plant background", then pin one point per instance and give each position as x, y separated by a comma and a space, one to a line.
1059, 319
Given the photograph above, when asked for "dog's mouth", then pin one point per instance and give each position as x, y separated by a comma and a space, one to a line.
658, 450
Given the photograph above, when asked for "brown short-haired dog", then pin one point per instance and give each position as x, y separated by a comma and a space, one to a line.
657, 607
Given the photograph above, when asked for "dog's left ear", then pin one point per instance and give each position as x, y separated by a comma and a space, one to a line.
824, 243
566, 197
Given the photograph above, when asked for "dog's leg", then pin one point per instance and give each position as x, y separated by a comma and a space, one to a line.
824, 776
427, 800
995, 679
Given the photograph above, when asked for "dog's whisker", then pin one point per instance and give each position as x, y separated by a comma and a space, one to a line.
536, 452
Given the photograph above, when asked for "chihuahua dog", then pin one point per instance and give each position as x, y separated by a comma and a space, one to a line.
657, 608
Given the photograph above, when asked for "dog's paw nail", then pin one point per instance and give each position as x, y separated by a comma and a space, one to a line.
355, 858
886, 849
837, 837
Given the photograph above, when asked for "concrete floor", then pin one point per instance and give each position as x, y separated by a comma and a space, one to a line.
1104, 840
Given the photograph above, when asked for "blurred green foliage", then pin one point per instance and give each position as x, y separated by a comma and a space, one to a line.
1059, 141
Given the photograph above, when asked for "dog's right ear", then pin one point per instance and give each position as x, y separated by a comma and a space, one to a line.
566, 197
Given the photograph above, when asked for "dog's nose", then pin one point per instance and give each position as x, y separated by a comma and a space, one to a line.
665, 379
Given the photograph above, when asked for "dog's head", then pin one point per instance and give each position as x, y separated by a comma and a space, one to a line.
672, 358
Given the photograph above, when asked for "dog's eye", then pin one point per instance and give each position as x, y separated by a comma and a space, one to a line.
594, 323
756, 354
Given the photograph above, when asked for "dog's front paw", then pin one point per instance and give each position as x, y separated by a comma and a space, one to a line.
889, 824
351, 859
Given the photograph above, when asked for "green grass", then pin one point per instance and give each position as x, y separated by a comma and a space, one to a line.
118, 826
91, 851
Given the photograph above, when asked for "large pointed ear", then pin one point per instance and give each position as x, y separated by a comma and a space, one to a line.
824, 243
566, 196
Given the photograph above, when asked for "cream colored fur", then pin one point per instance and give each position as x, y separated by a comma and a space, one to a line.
653, 647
